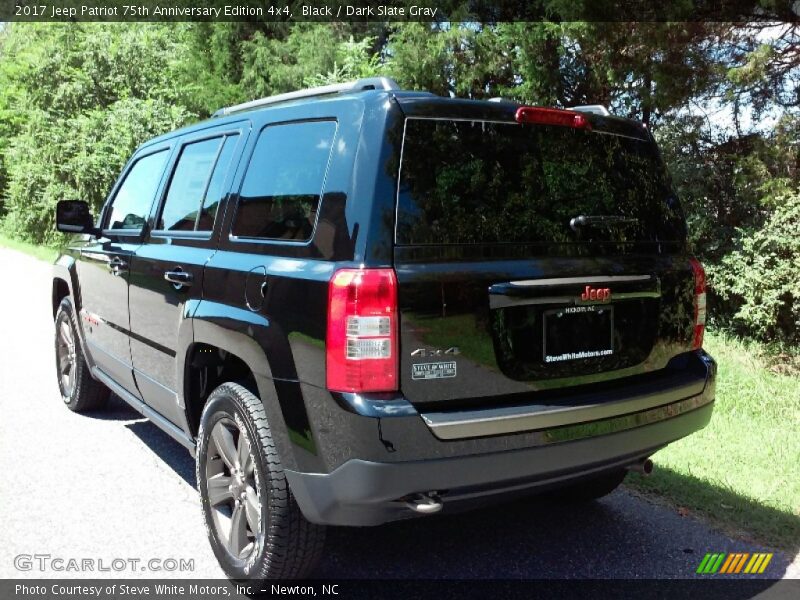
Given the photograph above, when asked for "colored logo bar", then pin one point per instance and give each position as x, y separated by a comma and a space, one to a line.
735, 563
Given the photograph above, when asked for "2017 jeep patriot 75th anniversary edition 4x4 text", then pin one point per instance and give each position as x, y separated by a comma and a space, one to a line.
357, 304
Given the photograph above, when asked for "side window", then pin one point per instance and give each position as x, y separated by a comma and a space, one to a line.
132, 203
216, 191
282, 187
196, 185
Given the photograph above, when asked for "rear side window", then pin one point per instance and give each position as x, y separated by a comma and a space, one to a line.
283, 184
216, 190
132, 203
196, 186
465, 182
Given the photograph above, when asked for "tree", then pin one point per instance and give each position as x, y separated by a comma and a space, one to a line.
84, 96
76, 99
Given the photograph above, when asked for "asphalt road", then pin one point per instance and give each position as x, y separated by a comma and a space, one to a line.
112, 486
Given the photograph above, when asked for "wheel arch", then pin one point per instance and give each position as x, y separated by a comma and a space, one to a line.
65, 282
239, 337
65, 285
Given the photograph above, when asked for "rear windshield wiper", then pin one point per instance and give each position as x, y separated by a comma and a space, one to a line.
600, 221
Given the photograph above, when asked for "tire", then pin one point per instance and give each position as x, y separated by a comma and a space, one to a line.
79, 390
268, 538
591, 489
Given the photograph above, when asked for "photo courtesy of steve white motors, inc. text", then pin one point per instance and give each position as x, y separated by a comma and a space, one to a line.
139, 590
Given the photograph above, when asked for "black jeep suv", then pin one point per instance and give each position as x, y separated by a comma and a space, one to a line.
356, 304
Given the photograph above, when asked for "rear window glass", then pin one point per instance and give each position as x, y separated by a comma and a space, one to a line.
281, 190
464, 182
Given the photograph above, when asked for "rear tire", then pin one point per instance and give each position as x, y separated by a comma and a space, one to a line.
591, 489
79, 390
253, 522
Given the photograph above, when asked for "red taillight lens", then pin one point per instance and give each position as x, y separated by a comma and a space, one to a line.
552, 116
361, 349
699, 303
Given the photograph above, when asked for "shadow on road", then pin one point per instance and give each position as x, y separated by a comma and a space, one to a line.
621, 536
115, 410
171, 452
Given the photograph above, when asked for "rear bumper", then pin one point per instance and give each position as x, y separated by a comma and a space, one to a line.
369, 492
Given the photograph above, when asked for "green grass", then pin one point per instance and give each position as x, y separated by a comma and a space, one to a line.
38, 251
742, 472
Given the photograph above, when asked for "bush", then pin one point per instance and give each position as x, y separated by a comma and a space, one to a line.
757, 284
82, 97
76, 158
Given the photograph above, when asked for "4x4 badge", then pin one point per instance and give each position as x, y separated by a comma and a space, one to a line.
423, 352
590, 293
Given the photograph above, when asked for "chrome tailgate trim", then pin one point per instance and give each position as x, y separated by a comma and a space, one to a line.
454, 425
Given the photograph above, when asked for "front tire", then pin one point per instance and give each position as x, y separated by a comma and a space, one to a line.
79, 390
254, 524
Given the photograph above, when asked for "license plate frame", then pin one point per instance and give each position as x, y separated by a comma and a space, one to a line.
571, 322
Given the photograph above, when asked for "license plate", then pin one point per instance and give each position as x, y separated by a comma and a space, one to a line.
578, 332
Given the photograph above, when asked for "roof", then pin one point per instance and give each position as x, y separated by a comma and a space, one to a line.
413, 103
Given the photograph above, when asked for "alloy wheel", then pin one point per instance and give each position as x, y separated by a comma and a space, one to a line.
66, 359
233, 490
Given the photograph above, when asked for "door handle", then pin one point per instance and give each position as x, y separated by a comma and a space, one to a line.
116, 264
179, 278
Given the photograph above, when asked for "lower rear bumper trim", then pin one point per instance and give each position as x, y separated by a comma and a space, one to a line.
680, 395
367, 493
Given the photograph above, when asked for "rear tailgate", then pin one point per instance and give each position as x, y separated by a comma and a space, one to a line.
534, 257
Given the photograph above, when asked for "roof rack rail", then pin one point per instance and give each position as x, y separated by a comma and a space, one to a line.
368, 83
597, 109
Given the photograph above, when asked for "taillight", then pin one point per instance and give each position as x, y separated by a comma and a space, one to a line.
361, 348
699, 303
552, 116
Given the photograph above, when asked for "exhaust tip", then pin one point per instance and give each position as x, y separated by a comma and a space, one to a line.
643, 466
425, 504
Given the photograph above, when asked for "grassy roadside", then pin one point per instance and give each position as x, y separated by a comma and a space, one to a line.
742, 472
41, 252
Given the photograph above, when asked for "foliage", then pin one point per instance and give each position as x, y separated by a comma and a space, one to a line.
76, 158
740, 195
765, 306
76, 99
85, 96
763, 66
353, 60
726, 184
640, 70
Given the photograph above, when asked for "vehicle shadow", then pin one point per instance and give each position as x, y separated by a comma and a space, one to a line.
175, 456
116, 409
621, 536
167, 449
618, 537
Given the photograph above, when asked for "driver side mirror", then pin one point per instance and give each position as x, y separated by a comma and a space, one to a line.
74, 216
